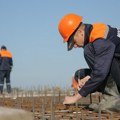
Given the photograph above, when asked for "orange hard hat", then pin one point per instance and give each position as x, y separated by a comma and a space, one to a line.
68, 24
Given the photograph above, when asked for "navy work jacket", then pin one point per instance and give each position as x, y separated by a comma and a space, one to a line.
104, 52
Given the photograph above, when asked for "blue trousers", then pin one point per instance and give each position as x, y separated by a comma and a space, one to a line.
5, 75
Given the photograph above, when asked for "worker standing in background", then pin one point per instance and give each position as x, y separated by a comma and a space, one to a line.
6, 64
101, 44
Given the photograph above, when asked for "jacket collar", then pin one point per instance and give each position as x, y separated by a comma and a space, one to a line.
88, 29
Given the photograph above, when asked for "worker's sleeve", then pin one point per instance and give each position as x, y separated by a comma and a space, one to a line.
0, 60
103, 55
11, 61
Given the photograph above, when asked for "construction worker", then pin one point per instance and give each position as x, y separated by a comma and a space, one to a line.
101, 44
6, 64
110, 95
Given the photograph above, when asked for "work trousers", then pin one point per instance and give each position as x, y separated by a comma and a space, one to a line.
5, 75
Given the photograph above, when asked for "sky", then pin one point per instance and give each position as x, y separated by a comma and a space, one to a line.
29, 29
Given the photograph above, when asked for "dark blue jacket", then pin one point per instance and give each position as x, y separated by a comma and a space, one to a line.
6, 61
104, 50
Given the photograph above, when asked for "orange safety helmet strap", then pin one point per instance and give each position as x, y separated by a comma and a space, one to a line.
68, 24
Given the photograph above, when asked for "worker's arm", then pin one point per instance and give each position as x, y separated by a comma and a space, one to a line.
76, 97
104, 51
11, 61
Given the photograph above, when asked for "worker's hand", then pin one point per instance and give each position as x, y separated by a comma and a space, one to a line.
72, 99
85, 79
82, 82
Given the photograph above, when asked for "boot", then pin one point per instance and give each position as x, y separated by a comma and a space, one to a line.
1, 89
9, 88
